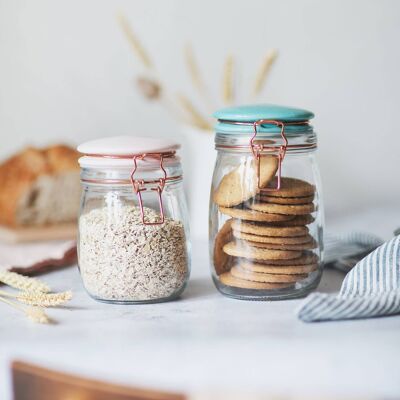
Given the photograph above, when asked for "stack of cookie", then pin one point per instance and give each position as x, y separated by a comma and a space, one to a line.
266, 243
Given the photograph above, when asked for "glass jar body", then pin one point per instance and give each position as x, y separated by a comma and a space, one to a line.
265, 243
121, 259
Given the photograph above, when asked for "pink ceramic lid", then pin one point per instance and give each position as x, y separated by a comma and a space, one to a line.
127, 145
122, 146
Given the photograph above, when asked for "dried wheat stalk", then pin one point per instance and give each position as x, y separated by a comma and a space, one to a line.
134, 41
45, 299
228, 81
154, 89
149, 88
40, 299
195, 75
23, 283
35, 314
264, 71
196, 118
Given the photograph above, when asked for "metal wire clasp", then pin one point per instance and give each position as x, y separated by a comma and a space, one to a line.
139, 186
256, 149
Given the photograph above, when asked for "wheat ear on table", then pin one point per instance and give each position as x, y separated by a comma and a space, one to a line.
39, 299
23, 283
35, 314
44, 299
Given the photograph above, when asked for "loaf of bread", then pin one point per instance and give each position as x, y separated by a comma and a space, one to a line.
39, 187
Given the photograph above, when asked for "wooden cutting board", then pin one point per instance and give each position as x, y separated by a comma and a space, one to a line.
41, 233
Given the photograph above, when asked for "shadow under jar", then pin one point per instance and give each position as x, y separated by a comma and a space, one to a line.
133, 244
266, 214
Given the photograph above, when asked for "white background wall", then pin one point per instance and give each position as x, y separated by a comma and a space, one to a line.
66, 73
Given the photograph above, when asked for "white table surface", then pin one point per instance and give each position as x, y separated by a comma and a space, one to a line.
208, 343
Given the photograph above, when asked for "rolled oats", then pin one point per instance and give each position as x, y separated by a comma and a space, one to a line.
121, 259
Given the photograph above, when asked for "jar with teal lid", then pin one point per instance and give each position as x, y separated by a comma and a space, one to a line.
266, 211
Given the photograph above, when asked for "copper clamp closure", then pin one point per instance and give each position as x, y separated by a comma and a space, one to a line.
139, 186
257, 149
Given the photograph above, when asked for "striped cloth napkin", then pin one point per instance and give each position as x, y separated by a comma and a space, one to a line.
370, 289
344, 251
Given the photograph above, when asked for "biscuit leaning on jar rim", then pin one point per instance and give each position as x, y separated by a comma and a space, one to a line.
242, 183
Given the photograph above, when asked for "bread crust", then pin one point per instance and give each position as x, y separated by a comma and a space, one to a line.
19, 173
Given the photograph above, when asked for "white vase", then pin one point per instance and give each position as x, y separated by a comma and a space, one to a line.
198, 158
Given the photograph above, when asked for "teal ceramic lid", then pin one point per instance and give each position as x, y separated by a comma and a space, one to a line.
252, 113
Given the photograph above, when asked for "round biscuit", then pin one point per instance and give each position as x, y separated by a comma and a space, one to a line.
285, 200
291, 187
312, 244
267, 230
229, 280
241, 273
299, 220
252, 215
306, 257
287, 209
242, 183
278, 269
240, 249
272, 240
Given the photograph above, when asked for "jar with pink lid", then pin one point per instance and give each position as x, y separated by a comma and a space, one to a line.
133, 244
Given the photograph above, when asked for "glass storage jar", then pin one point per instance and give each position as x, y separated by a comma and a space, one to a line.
266, 214
133, 244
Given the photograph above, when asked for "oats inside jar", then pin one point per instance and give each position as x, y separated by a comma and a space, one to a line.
122, 259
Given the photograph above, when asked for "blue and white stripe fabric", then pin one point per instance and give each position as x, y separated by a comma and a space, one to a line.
370, 289
351, 244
